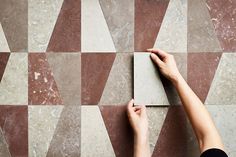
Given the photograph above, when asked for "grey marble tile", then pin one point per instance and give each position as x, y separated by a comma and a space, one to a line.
95, 32
4, 47
119, 16
224, 117
172, 36
223, 87
94, 137
148, 88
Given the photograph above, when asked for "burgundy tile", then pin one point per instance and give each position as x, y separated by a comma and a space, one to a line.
119, 130
223, 16
66, 34
3, 63
95, 68
14, 124
148, 19
201, 71
42, 86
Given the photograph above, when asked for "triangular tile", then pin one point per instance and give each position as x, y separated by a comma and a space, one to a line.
148, 19
3, 41
4, 150
95, 69
172, 36
66, 33
3, 63
94, 39
201, 71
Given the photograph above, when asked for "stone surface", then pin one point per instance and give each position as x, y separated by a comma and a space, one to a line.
148, 88
94, 39
14, 83
172, 36
94, 133
223, 87
118, 88
4, 57
4, 151
42, 124
201, 33
4, 47
119, 15
42, 19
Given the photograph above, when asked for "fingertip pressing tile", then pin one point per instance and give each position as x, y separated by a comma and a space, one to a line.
148, 88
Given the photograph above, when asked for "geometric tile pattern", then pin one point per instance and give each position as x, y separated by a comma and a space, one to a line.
66, 73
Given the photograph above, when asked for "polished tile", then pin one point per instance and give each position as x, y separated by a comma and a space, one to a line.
148, 88
4, 47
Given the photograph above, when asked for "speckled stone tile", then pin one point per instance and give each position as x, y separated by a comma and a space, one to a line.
201, 33
66, 34
3, 63
4, 151
95, 69
42, 86
223, 16
201, 71
172, 36
67, 74
148, 19
14, 126
224, 117
118, 88
94, 137
4, 47
14, 83
42, 124
42, 18
14, 20
119, 15
94, 39
148, 88
223, 87
66, 138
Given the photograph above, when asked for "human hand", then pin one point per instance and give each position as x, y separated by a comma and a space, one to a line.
166, 64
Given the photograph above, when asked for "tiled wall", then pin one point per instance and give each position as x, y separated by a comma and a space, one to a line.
66, 72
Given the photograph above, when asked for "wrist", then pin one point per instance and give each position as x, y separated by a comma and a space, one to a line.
141, 139
177, 79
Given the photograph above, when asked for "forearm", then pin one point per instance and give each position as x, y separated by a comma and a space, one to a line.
199, 117
141, 147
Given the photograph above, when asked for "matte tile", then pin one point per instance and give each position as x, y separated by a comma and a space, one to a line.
118, 88
4, 47
66, 33
172, 36
42, 86
94, 39
14, 18
42, 124
42, 18
148, 88
3, 63
95, 69
175, 134
148, 19
66, 138
67, 74
223, 17
201, 71
224, 117
119, 15
201, 33
119, 129
223, 87
14, 126
4, 151
94, 137
14, 83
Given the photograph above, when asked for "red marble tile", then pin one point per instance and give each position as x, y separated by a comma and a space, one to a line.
201, 71
14, 124
42, 86
67, 31
95, 69
119, 129
3, 63
223, 16
148, 18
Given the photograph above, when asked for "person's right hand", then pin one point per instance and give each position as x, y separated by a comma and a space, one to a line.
166, 64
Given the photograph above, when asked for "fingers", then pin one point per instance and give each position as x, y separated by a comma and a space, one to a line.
143, 111
160, 53
130, 107
156, 59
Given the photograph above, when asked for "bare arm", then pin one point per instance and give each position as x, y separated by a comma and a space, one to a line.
202, 123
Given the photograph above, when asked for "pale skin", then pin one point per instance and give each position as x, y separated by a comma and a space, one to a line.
201, 121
